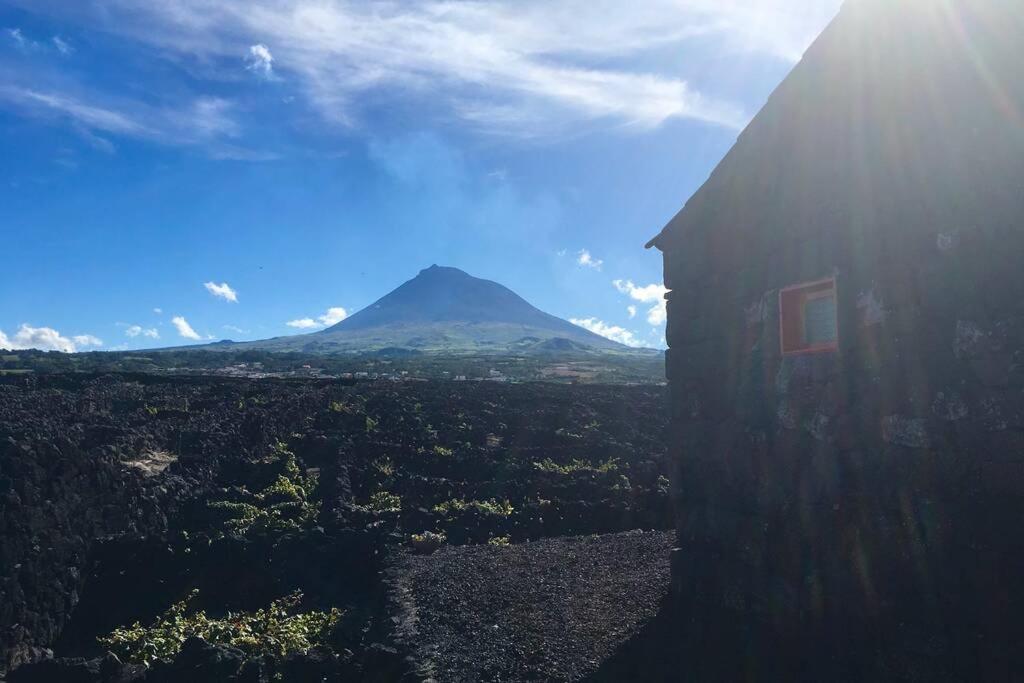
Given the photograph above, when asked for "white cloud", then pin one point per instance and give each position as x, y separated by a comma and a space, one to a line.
235, 329
260, 61
184, 329
92, 117
62, 45
657, 337
211, 118
521, 66
87, 340
136, 330
333, 316
222, 291
27, 44
631, 309
45, 339
613, 332
158, 311
205, 122
584, 258
650, 294
17, 36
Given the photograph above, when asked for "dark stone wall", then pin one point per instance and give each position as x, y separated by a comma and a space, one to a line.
879, 488
881, 482
62, 487
69, 450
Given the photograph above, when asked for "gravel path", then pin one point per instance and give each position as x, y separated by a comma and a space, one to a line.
551, 610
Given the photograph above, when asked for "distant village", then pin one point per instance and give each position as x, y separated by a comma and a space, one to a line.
257, 371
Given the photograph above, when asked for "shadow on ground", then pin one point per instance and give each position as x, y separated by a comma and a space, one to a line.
688, 644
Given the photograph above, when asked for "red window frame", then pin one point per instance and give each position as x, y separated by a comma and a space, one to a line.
792, 305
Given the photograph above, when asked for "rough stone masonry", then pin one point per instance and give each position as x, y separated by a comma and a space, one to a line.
871, 487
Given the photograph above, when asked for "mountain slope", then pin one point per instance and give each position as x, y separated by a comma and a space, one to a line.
446, 309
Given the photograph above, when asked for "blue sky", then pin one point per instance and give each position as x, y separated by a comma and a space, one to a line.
206, 169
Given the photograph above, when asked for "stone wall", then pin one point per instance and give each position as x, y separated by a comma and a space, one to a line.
882, 482
878, 488
76, 459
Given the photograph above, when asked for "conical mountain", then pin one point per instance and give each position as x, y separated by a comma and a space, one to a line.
446, 309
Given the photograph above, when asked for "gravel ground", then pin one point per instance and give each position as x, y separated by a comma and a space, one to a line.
550, 610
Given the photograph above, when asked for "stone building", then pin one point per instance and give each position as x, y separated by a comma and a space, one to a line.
845, 323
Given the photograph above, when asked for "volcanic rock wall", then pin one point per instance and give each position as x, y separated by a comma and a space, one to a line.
874, 490
77, 455
60, 490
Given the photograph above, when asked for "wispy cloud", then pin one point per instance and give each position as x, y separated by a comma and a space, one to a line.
137, 330
585, 259
333, 316
222, 291
28, 44
613, 332
17, 37
205, 121
631, 310
184, 329
63, 46
649, 294
46, 339
520, 66
90, 116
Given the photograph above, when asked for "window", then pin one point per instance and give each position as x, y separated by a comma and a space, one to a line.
808, 322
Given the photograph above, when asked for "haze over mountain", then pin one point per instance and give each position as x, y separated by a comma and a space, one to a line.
444, 309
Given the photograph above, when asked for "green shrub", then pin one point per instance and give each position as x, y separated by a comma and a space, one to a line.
384, 467
500, 541
443, 452
340, 407
622, 484
487, 507
277, 629
427, 542
577, 465
383, 501
285, 505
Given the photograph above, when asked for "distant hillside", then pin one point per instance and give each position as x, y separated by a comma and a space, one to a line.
444, 309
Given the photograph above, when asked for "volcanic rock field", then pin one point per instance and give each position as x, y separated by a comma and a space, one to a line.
190, 528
